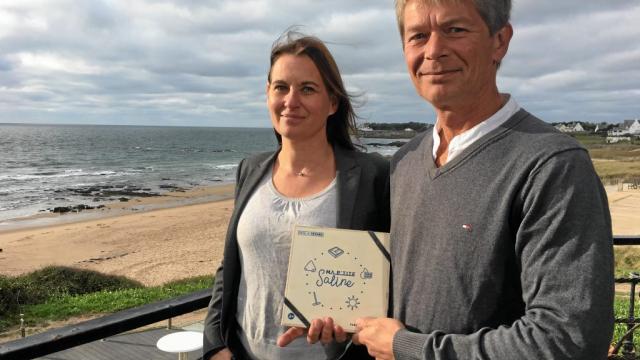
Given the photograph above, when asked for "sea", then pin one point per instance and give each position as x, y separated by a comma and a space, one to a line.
47, 166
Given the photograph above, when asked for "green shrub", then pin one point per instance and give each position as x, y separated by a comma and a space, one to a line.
202, 282
9, 295
63, 306
60, 280
54, 281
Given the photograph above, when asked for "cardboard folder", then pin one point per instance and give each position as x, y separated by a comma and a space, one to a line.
339, 273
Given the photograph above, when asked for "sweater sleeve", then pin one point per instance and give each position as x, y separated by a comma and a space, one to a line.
563, 247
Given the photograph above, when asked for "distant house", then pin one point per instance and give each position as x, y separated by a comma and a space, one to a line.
615, 139
634, 127
571, 128
624, 132
618, 131
626, 128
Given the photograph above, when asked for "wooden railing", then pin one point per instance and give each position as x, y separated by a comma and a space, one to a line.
52, 341
73, 335
625, 343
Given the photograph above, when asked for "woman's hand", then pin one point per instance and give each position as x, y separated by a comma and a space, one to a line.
223, 354
320, 329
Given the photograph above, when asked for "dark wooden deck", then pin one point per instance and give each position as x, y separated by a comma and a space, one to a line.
130, 346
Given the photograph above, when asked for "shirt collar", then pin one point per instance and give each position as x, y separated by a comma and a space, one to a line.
462, 141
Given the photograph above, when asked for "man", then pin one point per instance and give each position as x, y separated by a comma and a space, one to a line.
501, 234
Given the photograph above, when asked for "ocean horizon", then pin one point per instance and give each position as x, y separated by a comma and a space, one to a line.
44, 166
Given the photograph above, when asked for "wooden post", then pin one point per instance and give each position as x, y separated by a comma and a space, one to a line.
22, 329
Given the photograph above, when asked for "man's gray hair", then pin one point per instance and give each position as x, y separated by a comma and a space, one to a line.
495, 13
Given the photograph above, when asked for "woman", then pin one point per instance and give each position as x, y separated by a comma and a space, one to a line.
316, 177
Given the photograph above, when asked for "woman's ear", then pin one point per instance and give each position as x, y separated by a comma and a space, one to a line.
334, 105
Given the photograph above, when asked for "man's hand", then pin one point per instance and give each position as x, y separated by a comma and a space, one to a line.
377, 335
223, 354
320, 329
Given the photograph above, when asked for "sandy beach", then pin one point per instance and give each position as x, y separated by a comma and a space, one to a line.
155, 245
140, 239
625, 210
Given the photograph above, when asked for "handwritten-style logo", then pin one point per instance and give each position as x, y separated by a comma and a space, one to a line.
315, 300
334, 278
352, 302
366, 274
335, 252
310, 267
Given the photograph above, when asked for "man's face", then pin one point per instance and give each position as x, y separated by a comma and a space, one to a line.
449, 53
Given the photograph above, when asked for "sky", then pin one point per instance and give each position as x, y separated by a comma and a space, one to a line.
204, 63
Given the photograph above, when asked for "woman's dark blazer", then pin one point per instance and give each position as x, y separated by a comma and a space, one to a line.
363, 204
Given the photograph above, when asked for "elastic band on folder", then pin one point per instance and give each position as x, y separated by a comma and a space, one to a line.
380, 246
297, 313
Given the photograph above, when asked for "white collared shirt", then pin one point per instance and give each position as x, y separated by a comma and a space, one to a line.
464, 140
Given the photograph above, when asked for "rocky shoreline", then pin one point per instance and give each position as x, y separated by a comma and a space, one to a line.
387, 134
105, 193
393, 143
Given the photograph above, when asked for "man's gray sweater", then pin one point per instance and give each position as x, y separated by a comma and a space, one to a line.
503, 253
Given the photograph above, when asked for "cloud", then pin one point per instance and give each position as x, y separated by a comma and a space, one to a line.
205, 62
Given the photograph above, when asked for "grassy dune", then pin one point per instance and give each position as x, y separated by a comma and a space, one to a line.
616, 161
613, 162
611, 170
627, 259
58, 293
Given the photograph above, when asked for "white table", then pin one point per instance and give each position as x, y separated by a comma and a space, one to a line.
181, 342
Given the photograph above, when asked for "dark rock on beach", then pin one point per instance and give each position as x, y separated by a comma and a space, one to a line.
83, 207
66, 209
393, 143
125, 192
61, 209
172, 187
168, 186
387, 134
103, 192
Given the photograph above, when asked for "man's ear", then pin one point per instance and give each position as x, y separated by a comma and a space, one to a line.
501, 42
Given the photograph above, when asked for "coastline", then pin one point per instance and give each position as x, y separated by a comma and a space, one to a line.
160, 239
153, 240
169, 199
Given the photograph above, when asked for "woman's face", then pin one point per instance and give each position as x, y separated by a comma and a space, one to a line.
298, 101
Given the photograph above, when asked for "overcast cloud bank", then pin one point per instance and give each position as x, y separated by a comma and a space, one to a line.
204, 63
